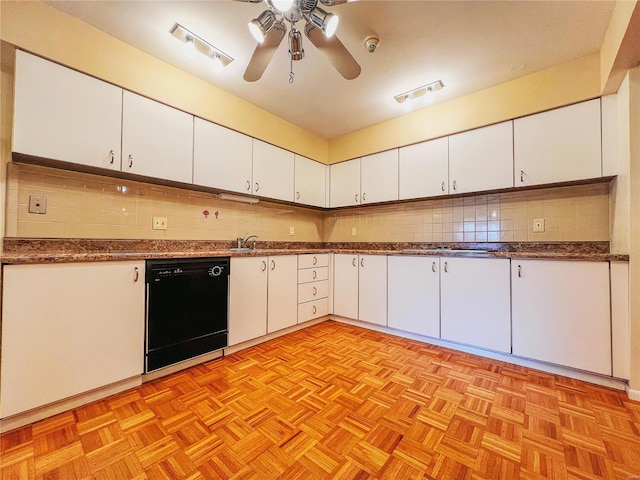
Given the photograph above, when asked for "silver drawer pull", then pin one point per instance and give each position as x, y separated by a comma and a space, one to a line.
315, 291
264, 265
353, 262
362, 262
519, 271
130, 161
356, 197
521, 175
315, 260
454, 185
446, 267
248, 185
257, 187
136, 274
297, 195
273, 265
315, 274
364, 197
112, 157
433, 267
315, 310
442, 186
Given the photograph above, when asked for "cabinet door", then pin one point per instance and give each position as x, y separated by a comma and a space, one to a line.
64, 115
475, 303
414, 295
345, 285
481, 159
558, 146
273, 174
379, 177
372, 296
345, 184
157, 141
282, 299
561, 313
69, 329
310, 181
222, 158
247, 299
424, 169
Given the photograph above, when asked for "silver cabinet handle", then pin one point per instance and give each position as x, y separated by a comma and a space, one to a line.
433, 267
353, 262
521, 175
356, 197
130, 161
136, 274
315, 260
454, 185
264, 265
257, 187
315, 310
248, 185
315, 274
112, 156
364, 197
297, 195
315, 291
519, 271
446, 265
442, 186
362, 262
273, 265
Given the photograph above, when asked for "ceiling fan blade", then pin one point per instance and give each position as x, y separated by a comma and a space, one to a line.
264, 52
335, 52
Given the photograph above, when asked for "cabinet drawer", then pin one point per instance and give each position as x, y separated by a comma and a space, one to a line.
315, 309
313, 274
311, 260
312, 291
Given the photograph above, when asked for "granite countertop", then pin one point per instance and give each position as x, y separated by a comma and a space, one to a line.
41, 251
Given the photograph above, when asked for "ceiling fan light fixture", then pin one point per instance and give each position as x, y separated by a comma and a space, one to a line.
325, 21
259, 27
282, 5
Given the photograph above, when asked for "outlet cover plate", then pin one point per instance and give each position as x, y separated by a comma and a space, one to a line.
538, 225
159, 223
37, 204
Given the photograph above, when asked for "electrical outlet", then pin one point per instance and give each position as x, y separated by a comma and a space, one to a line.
292, 230
159, 223
37, 204
354, 232
538, 224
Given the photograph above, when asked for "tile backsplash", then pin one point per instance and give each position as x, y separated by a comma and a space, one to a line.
81, 205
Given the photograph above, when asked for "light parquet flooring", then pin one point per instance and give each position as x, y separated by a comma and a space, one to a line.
335, 401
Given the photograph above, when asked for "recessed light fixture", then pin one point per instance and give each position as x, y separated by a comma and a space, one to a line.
238, 198
193, 43
419, 92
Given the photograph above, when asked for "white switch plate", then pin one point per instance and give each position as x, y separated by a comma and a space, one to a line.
538, 224
354, 232
37, 204
159, 223
292, 230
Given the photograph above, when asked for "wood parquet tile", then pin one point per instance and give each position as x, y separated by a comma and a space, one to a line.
335, 401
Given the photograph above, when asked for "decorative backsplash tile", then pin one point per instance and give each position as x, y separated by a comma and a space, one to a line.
89, 206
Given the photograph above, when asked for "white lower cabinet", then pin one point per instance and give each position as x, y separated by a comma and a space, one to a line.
282, 298
68, 329
247, 299
474, 302
313, 286
360, 287
561, 313
262, 296
414, 294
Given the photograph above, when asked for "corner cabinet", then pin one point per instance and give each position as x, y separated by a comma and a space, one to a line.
481, 159
64, 115
560, 145
379, 177
68, 329
474, 302
424, 169
561, 313
222, 158
157, 141
273, 171
344, 184
310, 179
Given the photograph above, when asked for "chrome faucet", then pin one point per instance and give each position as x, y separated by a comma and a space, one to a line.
243, 241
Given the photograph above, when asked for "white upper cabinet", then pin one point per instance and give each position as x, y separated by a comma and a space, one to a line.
310, 177
379, 177
559, 145
61, 114
157, 141
273, 171
561, 313
424, 169
222, 158
481, 159
345, 184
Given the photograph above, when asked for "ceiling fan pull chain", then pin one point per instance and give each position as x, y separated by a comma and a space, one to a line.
291, 74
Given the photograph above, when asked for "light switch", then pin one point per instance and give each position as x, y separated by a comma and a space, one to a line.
37, 204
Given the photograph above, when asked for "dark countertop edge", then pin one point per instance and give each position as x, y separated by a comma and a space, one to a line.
55, 257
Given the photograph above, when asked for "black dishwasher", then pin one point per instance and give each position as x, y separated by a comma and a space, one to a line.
187, 304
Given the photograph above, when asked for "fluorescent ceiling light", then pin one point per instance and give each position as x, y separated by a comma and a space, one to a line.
237, 198
419, 92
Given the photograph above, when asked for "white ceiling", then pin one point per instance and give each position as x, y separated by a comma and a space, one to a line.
469, 45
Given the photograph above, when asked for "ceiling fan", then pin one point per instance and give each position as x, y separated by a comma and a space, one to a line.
269, 29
